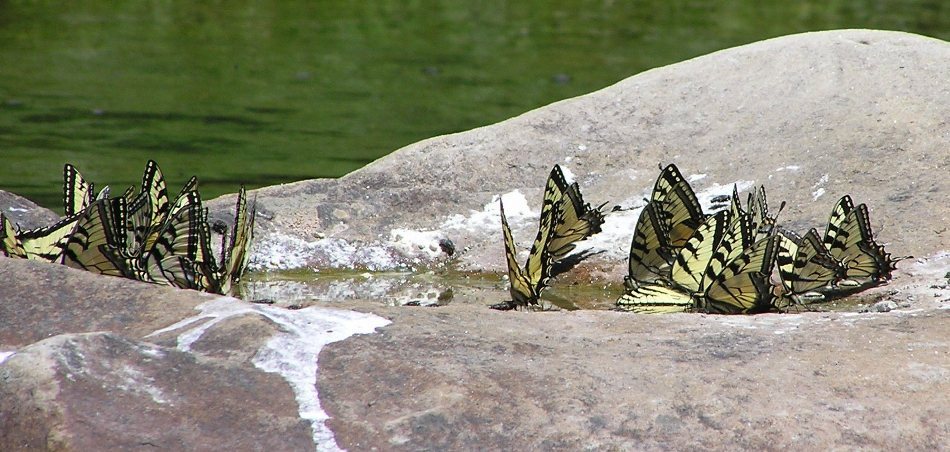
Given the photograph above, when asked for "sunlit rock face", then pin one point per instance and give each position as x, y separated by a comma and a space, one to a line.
98, 363
25, 213
812, 117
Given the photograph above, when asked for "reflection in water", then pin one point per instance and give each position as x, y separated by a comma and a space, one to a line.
430, 289
412, 289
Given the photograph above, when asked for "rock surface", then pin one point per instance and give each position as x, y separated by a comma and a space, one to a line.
812, 116
462, 378
97, 363
25, 213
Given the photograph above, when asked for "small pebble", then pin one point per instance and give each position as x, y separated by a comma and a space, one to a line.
883, 306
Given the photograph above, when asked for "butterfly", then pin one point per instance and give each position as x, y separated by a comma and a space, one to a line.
580, 220
527, 283
94, 243
849, 240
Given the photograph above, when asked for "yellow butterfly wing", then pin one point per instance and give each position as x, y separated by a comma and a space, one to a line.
804, 264
538, 267
94, 243
849, 240
45, 244
10, 244
736, 238
677, 206
655, 299
759, 209
736, 205
242, 235
866, 258
743, 286
689, 265
77, 192
522, 290
149, 209
648, 261
840, 234
178, 237
580, 220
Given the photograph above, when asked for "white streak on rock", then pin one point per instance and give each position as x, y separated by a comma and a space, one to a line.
135, 381
293, 352
516, 210
819, 190
281, 252
5, 355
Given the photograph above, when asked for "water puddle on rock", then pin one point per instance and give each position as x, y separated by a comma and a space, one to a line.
300, 288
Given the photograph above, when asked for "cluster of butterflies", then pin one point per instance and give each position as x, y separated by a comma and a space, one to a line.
139, 235
683, 260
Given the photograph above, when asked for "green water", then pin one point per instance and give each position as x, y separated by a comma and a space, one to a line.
275, 91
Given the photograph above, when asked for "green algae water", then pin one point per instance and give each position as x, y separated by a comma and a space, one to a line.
268, 92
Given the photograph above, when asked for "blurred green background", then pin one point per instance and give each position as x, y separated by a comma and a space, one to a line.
267, 92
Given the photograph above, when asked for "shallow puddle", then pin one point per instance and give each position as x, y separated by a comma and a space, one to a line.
302, 287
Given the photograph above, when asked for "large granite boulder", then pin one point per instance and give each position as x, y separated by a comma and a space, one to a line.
812, 116
97, 363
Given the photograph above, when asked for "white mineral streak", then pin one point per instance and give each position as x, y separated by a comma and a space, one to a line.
281, 252
5, 355
291, 353
695, 177
819, 190
516, 210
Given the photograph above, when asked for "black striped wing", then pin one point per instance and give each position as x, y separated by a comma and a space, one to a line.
538, 267
804, 264
10, 244
580, 220
522, 290
236, 254
77, 192
743, 285
648, 261
655, 299
689, 265
94, 243
677, 206
46, 244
